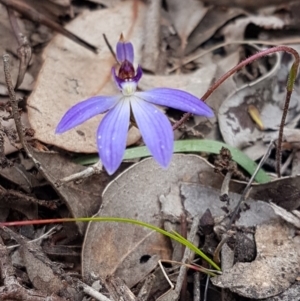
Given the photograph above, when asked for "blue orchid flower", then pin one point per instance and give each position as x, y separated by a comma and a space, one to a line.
154, 126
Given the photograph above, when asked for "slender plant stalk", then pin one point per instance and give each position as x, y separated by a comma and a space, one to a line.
174, 235
290, 84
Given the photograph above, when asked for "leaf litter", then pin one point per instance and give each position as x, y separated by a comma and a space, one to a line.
123, 198
262, 252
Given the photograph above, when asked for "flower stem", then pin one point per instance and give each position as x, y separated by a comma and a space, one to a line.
290, 84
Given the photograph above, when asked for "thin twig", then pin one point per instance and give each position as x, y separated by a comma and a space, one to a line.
280, 136
92, 292
110, 48
89, 171
188, 257
218, 249
225, 186
42, 237
188, 254
286, 164
248, 186
183, 230
196, 290
24, 51
165, 274
17, 117
15, 109
206, 288
13, 100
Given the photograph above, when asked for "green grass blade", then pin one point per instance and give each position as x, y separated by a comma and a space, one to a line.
188, 146
177, 237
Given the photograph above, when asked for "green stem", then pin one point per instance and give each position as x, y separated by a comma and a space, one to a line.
177, 237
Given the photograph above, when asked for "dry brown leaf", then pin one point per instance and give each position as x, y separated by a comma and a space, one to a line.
215, 18
284, 192
292, 293
120, 249
268, 97
199, 198
179, 10
275, 268
287, 216
44, 275
236, 125
40, 274
82, 199
71, 74
223, 91
236, 29
11, 200
195, 83
292, 14
18, 175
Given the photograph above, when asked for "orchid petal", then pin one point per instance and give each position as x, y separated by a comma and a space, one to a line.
85, 110
139, 74
124, 52
112, 136
176, 99
118, 81
155, 129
